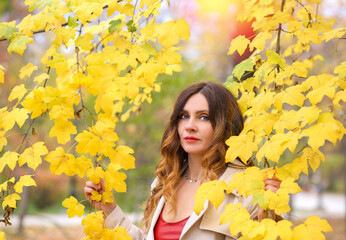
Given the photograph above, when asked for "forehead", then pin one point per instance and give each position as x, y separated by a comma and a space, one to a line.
196, 102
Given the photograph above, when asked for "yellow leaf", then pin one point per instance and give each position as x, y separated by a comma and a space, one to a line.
288, 186
276, 229
95, 174
27, 70
88, 142
2, 74
262, 102
25, 180
114, 179
169, 32
42, 77
239, 44
82, 164
18, 44
3, 186
88, 11
316, 95
2, 236
260, 40
32, 155
34, 102
275, 58
279, 203
84, 41
93, 223
248, 182
3, 140
10, 200
241, 146
60, 162
122, 156
240, 217
214, 191
20, 115
63, 130
10, 159
291, 95
17, 92
73, 207
312, 228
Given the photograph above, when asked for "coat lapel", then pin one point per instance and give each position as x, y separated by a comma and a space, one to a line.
193, 219
157, 213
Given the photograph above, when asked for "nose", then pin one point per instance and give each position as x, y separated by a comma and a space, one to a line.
191, 125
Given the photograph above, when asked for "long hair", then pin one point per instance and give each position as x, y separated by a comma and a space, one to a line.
226, 119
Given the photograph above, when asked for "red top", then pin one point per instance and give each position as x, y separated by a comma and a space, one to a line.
168, 230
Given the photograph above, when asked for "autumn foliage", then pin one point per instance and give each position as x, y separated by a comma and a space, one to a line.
102, 64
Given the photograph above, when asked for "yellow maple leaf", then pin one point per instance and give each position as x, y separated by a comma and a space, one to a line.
88, 142
114, 179
240, 217
248, 182
34, 102
80, 79
262, 102
20, 115
2, 74
239, 44
169, 32
27, 70
10, 159
63, 130
82, 164
316, 95
40, 78
84, 41
312, 228
3, 140
122, 156
10, 200
214, 191
260, 40
291, 95
88, 11
32, 155
18, 44
2, 236
25, 180
60, 162
95, 174
17, 92
3, 186
118, 233
93, 223
241, 146
73, 207
279, 203
288, 186
274, 229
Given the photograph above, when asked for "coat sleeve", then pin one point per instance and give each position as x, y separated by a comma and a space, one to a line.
118, 219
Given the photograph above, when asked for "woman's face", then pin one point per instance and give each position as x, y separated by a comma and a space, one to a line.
194, 126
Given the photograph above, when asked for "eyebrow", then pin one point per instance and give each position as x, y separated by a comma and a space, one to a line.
199, 111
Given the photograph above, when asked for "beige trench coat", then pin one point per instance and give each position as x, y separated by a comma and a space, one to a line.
206, 225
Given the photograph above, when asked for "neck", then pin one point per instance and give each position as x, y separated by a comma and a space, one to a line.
195, 170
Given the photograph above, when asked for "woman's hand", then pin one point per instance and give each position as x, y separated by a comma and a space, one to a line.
272, 184
107, 208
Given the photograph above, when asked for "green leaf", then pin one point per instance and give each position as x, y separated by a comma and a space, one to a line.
6, 31
72, 22
275, 58
18, 44
243, 69
130, 26
115, 25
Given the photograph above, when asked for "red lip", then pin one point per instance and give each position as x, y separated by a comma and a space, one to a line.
190, 139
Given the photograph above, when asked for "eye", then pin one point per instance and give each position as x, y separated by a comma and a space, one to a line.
184, 116
205, 117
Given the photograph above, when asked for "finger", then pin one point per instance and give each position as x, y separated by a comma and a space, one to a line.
270, 187
272, 182
93, 185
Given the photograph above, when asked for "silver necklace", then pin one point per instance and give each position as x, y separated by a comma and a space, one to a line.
190, 180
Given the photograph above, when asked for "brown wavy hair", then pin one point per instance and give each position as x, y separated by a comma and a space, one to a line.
226, 120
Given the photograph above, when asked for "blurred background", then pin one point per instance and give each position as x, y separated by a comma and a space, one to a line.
213, 26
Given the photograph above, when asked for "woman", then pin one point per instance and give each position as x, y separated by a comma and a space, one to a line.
193, 151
